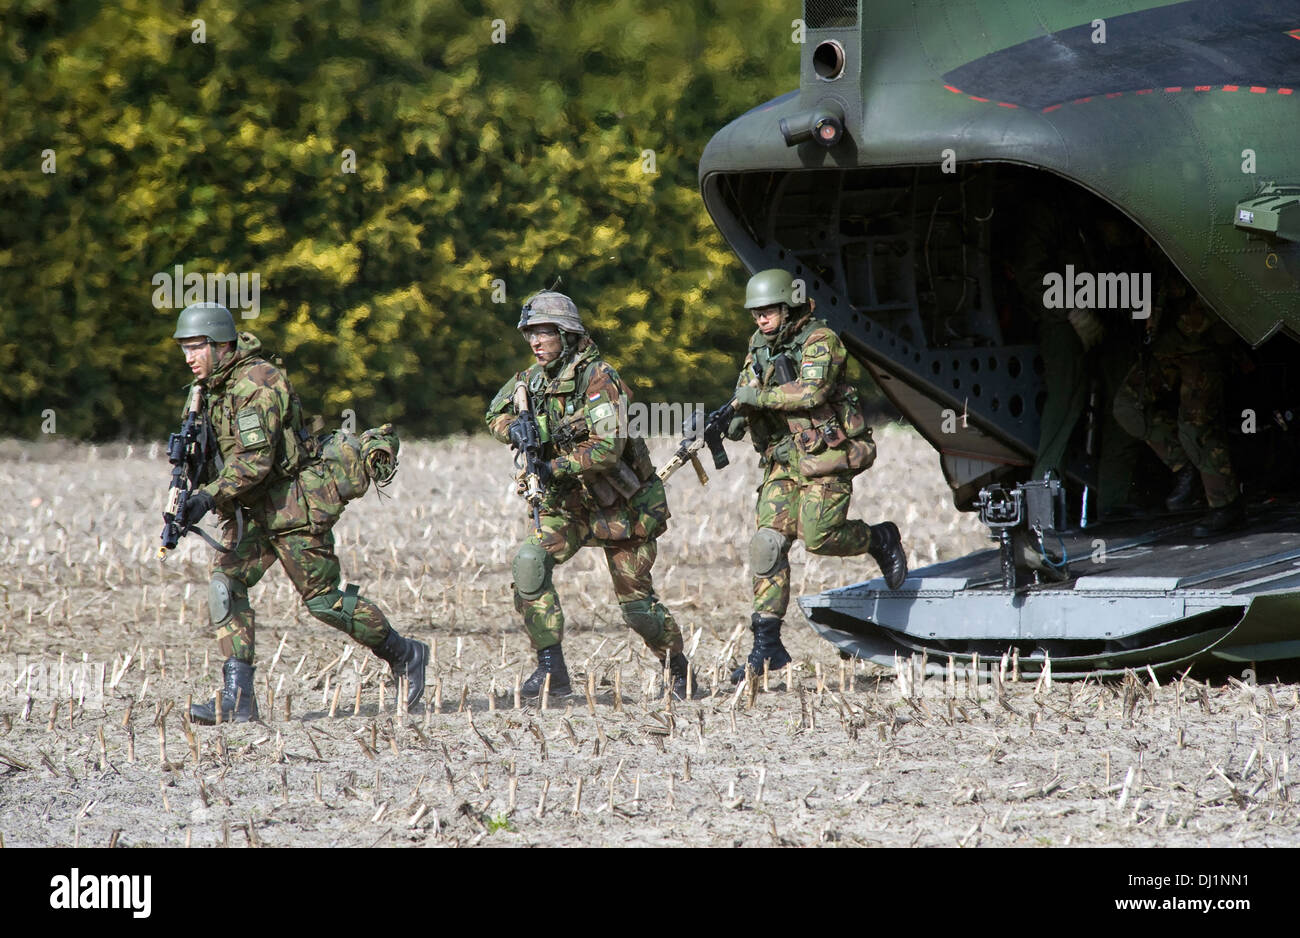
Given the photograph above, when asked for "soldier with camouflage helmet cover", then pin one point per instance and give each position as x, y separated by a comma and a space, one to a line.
808, 426
600, 490
255, 417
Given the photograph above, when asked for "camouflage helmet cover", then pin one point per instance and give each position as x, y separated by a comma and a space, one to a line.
553, 308
211, 320
770, 287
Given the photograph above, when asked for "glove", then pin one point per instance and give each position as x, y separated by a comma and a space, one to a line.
746, 397
736, 429
197, 504
518, 435
1088, 327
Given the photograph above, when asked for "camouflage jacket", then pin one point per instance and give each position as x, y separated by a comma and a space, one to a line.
251, 408
580, 406
818, 402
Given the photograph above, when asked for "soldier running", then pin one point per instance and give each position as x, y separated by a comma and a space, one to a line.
600, 490
255, 416
809, 428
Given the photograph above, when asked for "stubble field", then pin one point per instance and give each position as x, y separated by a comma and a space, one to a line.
101, 646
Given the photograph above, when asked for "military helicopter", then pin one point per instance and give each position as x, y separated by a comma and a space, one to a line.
893, 183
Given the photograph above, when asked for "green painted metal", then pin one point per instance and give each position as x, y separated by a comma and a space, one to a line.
1171, 157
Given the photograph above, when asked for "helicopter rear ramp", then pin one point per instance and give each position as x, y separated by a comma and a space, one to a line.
1140, 593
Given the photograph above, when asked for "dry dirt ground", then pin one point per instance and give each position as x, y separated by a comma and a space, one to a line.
101, 646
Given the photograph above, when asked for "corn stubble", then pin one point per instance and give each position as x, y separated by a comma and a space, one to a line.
100, 643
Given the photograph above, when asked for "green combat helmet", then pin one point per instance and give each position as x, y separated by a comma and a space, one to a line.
770, 287
554, 308
211, 320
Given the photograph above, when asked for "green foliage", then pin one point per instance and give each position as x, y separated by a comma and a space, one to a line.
499, 822
475, 161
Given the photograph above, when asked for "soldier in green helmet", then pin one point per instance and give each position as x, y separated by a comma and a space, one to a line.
256, 421
600, 489
807, 424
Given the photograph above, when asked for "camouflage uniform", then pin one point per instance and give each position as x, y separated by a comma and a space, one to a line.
1186, 360
259, 472
604, 494
252, 411
806, 483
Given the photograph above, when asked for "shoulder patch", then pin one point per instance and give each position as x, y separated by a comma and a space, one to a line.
812, 372
250, 429
603, 419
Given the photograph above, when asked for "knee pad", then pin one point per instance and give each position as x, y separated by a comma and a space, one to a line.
335, 607
226, 596
531, 570
767, 552
646, 618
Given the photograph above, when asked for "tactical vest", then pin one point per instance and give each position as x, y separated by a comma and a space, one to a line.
566, 427
290, 449
832, 438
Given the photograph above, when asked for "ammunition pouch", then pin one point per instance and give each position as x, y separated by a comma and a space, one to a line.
643, 517
612, 486
832, 439
619, 484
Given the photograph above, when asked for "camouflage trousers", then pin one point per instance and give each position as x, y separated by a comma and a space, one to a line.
1191, 430
312, 566
630, 562
812, 510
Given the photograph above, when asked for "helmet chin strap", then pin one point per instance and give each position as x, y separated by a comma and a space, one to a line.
782, 332
218, 356
568, 347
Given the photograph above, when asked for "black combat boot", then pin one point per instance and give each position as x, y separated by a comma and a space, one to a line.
1221, 520
238, 705
407, 657
550, 660
678, 668
887, 550
767, 647
1186, 491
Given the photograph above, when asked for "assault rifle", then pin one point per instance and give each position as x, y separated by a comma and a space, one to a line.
697, 437
715, 425
531, 453
188, 452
